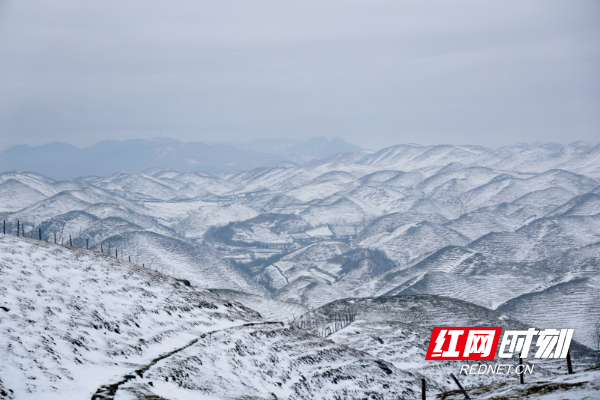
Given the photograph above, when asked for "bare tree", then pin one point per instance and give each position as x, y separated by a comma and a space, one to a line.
152, 262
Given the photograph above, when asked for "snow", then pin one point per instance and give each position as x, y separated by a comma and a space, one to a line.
196, 223
515, 228
320, 231
582, 385
262, 361
77, 319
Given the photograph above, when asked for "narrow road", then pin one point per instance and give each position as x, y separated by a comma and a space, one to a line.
108, 392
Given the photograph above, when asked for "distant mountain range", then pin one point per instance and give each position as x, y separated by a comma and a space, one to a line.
468, 222
65, 161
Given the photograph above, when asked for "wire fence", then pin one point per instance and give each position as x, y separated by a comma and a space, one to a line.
33, 232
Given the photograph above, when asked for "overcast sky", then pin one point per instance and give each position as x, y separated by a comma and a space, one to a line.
373, 72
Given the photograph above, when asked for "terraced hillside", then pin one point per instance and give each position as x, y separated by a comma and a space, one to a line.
73, 319
397, 329
79, 324
515, 229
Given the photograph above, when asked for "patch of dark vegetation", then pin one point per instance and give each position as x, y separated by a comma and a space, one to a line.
551, 387
7, 394
279, 223
224, 234
384, 366
184, 282
257, 266
269, 218
517, 393
206, 304
376, 261
220, 234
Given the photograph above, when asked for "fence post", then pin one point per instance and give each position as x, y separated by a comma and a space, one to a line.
40, 233
70, 241
129, 258
18, 228
23, 230
522, 369
116, 253
4, 227
86, 244
569, 365
460, 387
423, 396
54, 237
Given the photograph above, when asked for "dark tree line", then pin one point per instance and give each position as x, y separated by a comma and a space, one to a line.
324, 324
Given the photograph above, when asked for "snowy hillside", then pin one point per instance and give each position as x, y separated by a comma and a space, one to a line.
79, 324
271, 361
572, 301
73, 320
515, 229
397, 330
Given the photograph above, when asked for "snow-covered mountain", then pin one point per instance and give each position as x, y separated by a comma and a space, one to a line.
397, 330
515, 229
72, 319
76, 323
64, 161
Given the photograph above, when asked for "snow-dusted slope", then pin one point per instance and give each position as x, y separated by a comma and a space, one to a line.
397, 330
270, 309
541, 238
582, 385
572, 302
197, 263
587, 204
268, 362
197, 222
516, 225
461, 273
79, 324
72, 320
405, 345
15, 195
408, 242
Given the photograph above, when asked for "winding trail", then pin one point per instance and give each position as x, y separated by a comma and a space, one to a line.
108, 392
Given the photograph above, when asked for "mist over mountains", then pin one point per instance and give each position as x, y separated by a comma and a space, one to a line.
65, 161
299, 151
